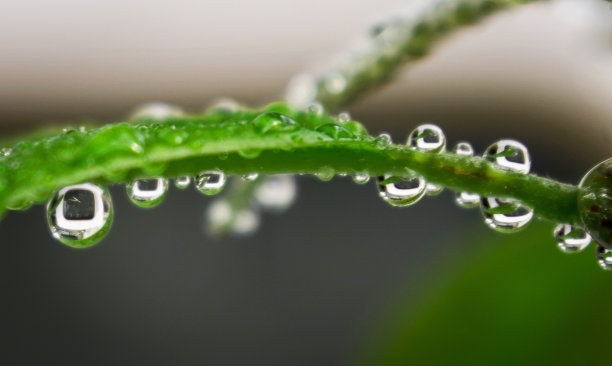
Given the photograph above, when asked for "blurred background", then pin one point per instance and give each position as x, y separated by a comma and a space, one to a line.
341, 278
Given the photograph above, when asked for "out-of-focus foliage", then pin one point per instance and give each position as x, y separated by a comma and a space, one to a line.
516, 300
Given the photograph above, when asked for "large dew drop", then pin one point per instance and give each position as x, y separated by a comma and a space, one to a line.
271, 122
276, 192
210, 182
465, 199
401, 192
505, 215
571, 239
510, 155
427, 137
80, 215
604, 257
147, 193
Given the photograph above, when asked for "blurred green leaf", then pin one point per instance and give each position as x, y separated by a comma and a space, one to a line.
514, 300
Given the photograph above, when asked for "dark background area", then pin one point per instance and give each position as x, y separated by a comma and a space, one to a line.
314, 284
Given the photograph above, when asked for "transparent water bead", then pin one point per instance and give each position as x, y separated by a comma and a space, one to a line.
80, 215
571, 239
465, 199
210, 182
222, 219
250, 177
510, 155
315, 108
361, 178
147, 192
433, 189
504, 215
156, 111
344, 117
401, 192
427, 137
182, 182
276, 192
604, 257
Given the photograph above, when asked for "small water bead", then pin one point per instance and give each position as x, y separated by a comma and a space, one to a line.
250, 177
361, 178
465, 199
156, 111
326, 174
504, 215
427, 137
401, 192
571, 239
182, 182
383, 139
210, 182
224, 105
80, 215
270, 122
315, 108
604, 257
433, 189
510, 155
335, 131
344, 117
147, 192
276, 192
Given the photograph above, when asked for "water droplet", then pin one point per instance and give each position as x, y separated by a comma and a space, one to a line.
326, 174
210, 182
315, 108
334, 82
269, 122
510, 155
504, 215
147, 192
227, 105
361, 178
465, 199
182, 182
276, 192
383, 139
344, 117
433, 189
571, 239
604, 257
301, 91
156, 111
250, 177
80, 215
335, 131
427, 137
401, 191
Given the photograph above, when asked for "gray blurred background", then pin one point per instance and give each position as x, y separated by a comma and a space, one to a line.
310, 285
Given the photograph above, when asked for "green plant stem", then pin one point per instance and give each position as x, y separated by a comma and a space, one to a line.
392, 45
235, 143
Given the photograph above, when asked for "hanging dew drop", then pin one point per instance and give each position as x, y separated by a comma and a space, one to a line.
604, 257
571, 239
276, 192
427, 137
504, 215
182, 182
147, 193
465, 199
250, 177
325, 174
80, 216
210, 182
433, 189
401, 192
361, 178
